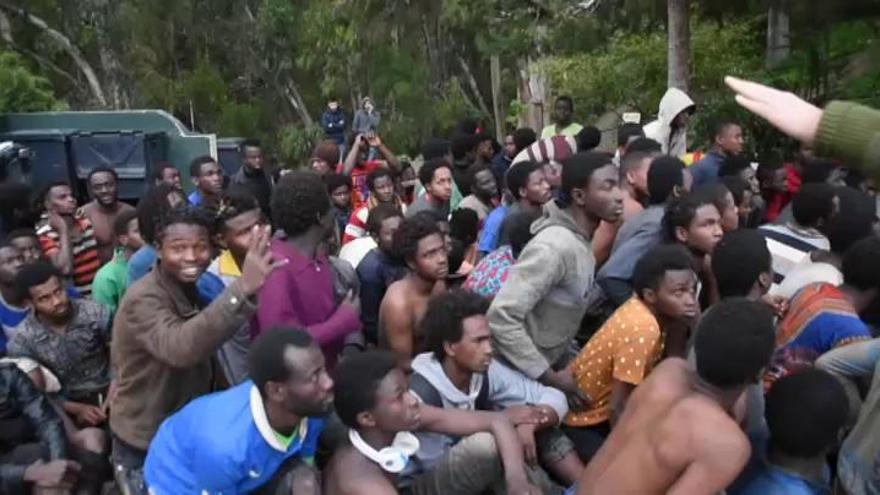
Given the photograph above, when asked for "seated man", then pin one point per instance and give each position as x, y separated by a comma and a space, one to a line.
380, 267
622, 353
164, 337
805, 412
459, 373
13, 309
112, 279
258, 437
27, 242
34, 450
491, 272
420, 243
823, 316
666, 180
680, 430
69, 336
237, 214
381, 412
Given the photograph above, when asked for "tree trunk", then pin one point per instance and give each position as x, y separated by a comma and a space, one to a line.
778, 32
531, 89
679, 45
64, 42
294, 97
472, 83
497, 109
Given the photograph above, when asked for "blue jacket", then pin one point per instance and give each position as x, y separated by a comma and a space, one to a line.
333, 123
706, 170
222, 443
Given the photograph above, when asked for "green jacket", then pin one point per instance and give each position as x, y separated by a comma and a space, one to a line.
852, 132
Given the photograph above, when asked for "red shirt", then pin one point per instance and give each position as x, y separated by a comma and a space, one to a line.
778, 201
359, 190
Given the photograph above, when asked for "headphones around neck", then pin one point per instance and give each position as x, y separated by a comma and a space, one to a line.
393, 458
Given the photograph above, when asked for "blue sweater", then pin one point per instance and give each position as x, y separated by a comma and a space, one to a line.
222, 443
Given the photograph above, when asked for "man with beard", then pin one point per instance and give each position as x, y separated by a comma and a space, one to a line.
104, 208
258, 437
484, 193
69, 336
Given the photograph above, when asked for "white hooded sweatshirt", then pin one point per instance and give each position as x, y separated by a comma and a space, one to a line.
673, 103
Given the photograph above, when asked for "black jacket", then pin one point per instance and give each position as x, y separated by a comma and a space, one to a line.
19, 397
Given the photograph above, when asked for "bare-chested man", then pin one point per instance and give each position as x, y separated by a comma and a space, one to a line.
679, 433
373, 399
421, 244
104, 208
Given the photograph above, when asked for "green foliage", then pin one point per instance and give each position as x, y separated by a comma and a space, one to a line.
22, 90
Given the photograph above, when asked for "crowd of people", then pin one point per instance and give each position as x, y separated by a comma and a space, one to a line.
531, 316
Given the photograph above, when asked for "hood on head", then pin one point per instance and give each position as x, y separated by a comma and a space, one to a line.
674, 101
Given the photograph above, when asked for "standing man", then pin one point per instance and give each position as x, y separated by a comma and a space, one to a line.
104, 208
366, 119
670, 128
727, 140
333, 122
563, 112
680, 430
207, 176
537, 313
252, 176
68, 238
263, 433
164, 339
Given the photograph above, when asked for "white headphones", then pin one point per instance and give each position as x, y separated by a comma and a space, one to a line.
392, 458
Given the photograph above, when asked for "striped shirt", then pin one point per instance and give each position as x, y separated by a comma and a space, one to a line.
789, 245
84, 247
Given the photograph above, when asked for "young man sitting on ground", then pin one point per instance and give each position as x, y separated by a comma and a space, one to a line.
69, 336
680, 432
622, 353
380, 267
420, 243
112, 279
805, 412
238, 212
258, 437
381, 412
459, 372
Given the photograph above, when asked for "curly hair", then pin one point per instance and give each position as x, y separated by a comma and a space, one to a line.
186, 215
443, 321
233, 202
152, 207
411, 231
298, 201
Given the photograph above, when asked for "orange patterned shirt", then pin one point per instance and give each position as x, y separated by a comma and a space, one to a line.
626, 348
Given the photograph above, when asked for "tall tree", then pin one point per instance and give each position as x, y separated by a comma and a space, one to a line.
679, 73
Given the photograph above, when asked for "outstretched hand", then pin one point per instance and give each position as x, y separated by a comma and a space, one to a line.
785, 110
258, 263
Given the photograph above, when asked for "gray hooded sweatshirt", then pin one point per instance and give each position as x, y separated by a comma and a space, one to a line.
672, 143
506, 388
538, 310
